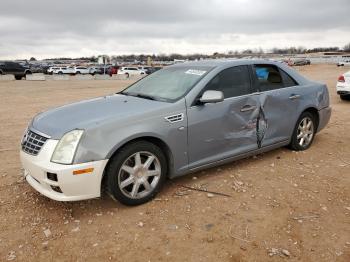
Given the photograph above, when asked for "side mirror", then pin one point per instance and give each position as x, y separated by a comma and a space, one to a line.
212, 96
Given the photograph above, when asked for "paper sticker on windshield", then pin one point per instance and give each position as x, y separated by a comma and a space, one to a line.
195, 72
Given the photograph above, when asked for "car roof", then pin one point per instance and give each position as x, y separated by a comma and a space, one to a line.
221, 64
227, 62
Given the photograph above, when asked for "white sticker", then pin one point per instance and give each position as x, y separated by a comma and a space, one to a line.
195, 72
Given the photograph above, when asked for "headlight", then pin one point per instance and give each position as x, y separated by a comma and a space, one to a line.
66, 147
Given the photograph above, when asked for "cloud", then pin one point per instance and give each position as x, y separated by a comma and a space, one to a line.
78, 28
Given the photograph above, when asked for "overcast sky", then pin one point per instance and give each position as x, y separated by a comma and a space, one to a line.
74, 28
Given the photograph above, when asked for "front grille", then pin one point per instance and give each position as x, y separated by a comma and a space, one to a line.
32, 142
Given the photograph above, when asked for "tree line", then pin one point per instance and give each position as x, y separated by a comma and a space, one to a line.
247, 52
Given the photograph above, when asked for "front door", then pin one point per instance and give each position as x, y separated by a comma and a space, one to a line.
225, 129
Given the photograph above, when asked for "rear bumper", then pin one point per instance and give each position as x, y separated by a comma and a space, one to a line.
324, 117
67, 186
343, 88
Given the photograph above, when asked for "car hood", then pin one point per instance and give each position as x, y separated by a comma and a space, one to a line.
91, 113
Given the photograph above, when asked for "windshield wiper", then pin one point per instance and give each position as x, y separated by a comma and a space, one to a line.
139, 95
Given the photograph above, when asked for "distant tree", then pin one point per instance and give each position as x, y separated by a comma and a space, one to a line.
347, 48
32, 59
260, 51
301, 50
247, 51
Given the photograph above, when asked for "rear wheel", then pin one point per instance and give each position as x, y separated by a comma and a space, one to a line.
136, 173
27, 73
304, 132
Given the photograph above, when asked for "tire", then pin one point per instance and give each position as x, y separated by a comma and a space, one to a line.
18, 77
345, 97
303, 138
27, 73
127, 75
138, 187
78, 73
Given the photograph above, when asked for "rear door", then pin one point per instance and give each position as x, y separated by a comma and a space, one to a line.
280, 97
10, 68
221, 130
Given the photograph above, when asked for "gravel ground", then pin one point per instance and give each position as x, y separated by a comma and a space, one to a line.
284, 205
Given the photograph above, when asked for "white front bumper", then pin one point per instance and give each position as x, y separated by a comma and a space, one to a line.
73, 187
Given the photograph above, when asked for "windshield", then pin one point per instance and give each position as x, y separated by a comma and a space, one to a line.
168, 84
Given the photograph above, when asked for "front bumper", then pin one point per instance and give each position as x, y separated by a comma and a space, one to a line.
68, 187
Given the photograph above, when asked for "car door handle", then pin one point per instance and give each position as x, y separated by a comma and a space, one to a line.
247, 108
293, 97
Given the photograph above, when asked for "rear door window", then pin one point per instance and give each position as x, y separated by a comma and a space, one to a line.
270, 77
234, 81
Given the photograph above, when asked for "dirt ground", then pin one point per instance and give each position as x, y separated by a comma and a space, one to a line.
284, 206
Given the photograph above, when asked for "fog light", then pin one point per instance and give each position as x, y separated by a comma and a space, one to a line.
56, 189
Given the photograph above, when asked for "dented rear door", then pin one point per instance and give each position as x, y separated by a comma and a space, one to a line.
279, 103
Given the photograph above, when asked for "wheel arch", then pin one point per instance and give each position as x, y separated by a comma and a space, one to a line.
314, 112
149, 138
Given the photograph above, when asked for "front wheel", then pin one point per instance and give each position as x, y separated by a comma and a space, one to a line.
136, 173
304, 132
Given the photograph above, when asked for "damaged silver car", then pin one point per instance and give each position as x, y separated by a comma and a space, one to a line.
180, 119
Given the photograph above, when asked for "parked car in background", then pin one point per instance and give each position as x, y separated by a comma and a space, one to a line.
36, 69
178, 120
151, 70
64, 70
96, 70
344, 63
51, 69
84, 70
129, 71
144, 68
102, 69
302, 62
13, 68
113, 70
343, 86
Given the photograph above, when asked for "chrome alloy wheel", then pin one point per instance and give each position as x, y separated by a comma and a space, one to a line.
139, 175
305, 132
